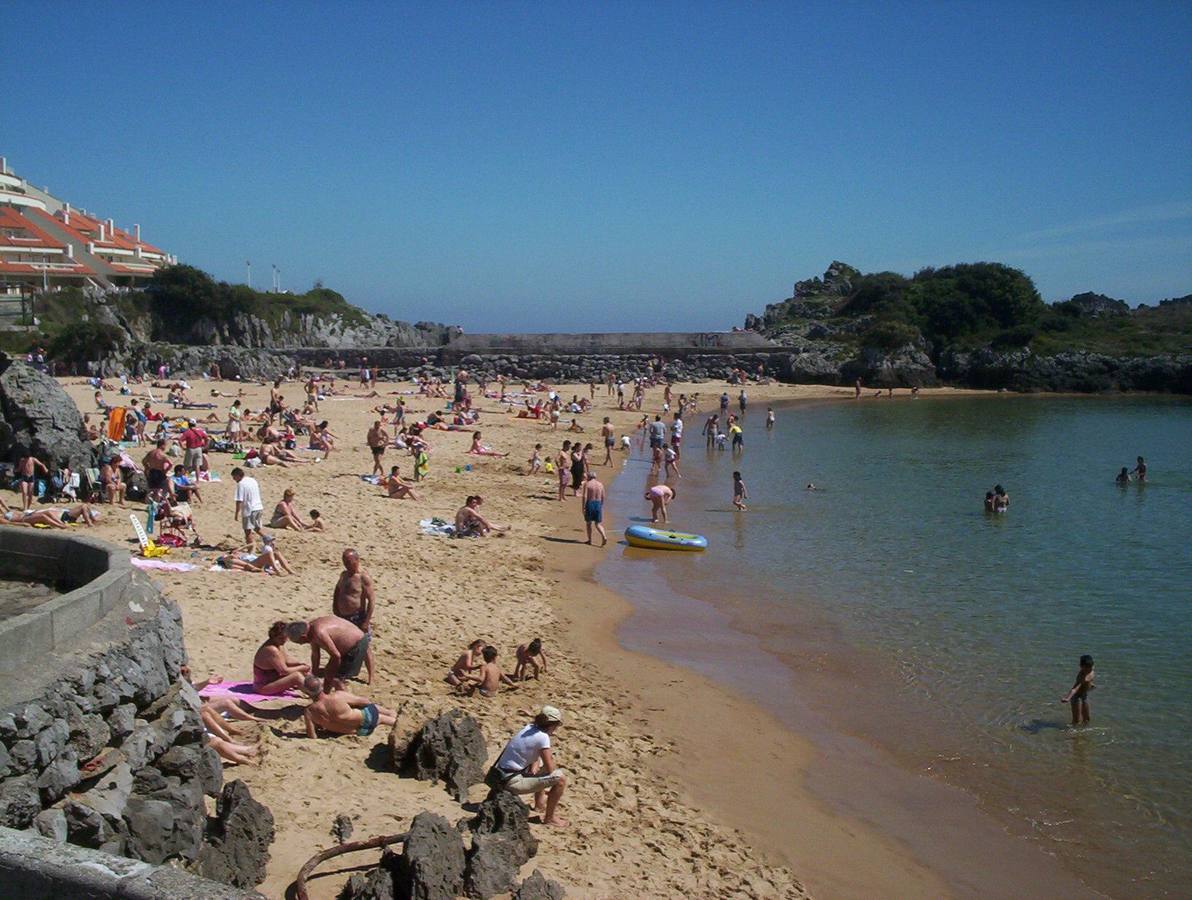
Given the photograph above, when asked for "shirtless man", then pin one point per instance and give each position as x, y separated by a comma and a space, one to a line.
356, 600
610, 441
340, 712
489, 677
346, 646
469, 522
26, 469
377, 439
562, 467
593, 506
157, 465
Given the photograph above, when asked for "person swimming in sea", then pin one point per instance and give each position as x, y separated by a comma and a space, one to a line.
989, 505
1123, 476
1078, 696
1001, 500
1140, 471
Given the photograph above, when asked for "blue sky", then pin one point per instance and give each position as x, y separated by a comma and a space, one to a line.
617, 166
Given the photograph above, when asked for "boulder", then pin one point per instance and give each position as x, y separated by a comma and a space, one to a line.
376, 884
19, 802
450, 749
539, 887
501, 844
51, 823
238, 839
37, 416
431, 866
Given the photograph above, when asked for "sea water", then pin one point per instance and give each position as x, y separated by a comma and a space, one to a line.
954, 632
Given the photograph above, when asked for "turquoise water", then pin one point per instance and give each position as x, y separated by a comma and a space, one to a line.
975, 622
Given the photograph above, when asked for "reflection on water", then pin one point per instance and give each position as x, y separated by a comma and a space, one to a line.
981, 618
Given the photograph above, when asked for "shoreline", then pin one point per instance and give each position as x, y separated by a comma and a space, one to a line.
815, 810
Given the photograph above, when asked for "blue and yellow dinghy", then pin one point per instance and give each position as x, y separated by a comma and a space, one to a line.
650, 538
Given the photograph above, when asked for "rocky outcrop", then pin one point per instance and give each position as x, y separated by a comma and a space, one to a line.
501, 844
36, 416
1096, 306
194, 360
450, 749
431, 866
1022, 370
539, 887
238, 839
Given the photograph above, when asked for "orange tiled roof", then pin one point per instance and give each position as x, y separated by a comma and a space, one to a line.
37, 239
86, 228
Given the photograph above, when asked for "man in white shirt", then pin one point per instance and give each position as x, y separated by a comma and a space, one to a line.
527, 766
248, 504
677, 433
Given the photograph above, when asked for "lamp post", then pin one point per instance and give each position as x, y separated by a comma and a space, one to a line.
248, 266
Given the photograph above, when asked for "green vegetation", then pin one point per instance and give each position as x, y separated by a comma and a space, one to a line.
181, 296
81, 341
974, 305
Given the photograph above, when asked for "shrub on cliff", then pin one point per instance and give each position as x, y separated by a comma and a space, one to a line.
79, 342
973, 301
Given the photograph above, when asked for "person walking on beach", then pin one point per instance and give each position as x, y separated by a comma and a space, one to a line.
857, 388
593, 506
527, 766
740, 492
248, 505
742, 402
355, 599
610, 441
377, 439
1078, 696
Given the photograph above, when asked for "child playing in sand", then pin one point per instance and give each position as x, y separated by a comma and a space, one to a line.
490, 677
527, 657
316, 521
740, 493
1079, 695
535, 460
470, 660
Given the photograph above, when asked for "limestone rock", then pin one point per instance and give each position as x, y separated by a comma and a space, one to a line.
51, 823
37, 416
450, 749
431, 866
238, 839
501, 843
19, 802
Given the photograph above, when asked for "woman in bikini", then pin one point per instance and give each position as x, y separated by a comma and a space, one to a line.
273, 672
478, 449
285, 515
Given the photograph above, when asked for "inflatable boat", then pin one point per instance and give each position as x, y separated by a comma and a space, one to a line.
650, 538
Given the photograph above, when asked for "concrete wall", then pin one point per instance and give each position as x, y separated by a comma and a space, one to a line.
99, 573
35, 868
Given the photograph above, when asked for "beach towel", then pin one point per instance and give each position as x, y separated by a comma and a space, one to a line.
371, 479
437, 526
165, 566
242, 690
116, 423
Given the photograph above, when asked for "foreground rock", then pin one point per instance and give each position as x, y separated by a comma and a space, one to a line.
238, 839
501, 844
449, 748
36, 416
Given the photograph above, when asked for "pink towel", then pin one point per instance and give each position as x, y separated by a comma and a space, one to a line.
242, 690
160, 564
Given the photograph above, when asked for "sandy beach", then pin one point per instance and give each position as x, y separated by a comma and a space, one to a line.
679, 787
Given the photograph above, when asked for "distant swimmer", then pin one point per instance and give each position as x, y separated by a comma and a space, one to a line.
769, 418
810, 487
1001, 500
989, 504
1140, 470
1123, 476
740, 492
1079, 695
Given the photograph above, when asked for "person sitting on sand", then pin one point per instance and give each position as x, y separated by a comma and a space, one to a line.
527, 766
273, 672
111, 484
285, 515
470, 660
341, 712
317, 522
345, 644
479, 449
527, 657
397, 488
660, 495
489, 678
322, 439
469, 522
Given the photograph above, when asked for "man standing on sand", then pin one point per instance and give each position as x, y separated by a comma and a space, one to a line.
248, 504
26, 470
156, 464
377, 438
593, 503
193, 441
341, 712
356, 600
610, 441
346, 646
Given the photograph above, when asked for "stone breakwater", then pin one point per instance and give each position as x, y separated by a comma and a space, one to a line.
685, 356
101, 742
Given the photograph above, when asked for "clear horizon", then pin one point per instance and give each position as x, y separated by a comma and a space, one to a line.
620, 168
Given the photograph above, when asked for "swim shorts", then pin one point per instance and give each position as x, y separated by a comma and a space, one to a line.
369, 717
251, 520
378, 452
155, 478
594, 511
350, 662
